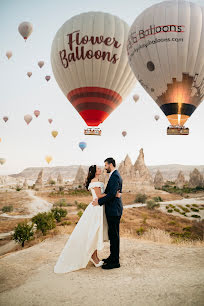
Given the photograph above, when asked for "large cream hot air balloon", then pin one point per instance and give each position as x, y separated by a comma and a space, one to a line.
90, 64
9, 54
25, 29
48, 158
166, 52
54, 133
2, 161
28, 118
41, 64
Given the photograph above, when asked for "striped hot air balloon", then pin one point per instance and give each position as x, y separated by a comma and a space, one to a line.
165, 50
90, 64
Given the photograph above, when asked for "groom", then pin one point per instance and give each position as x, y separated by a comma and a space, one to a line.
113, 209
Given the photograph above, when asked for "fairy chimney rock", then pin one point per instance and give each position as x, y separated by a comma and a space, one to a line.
25, 184
196, 179
60, 179
79, 180
39, 181
180, 181
158, 180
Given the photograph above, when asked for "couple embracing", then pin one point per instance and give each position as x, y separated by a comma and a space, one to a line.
99, 222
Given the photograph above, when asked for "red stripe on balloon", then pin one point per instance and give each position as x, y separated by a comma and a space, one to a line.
95, 100
93, 117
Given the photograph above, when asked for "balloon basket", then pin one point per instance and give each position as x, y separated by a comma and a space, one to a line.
92, 131
177, 130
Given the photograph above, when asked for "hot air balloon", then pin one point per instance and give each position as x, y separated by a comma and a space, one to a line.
136, 98
124, 133
37, 113
5, 118
48, 158
29, 74
28, 118
82, 145
41, 64
50, 120
47, 77
165, 50
25, 29
54, 133
2, 161
90, 64
9, 54
156, 117
0, 139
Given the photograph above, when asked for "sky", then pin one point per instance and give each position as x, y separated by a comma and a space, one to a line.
26, 146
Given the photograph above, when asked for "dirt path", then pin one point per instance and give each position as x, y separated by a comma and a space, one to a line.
150, 274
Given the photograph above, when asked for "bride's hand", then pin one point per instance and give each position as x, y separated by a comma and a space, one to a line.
118, 194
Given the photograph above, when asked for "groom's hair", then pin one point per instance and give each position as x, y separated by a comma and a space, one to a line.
110, 160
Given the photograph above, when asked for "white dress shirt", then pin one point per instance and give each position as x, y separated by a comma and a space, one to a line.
111, 173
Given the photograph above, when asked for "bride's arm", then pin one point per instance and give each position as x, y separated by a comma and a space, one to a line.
101, 195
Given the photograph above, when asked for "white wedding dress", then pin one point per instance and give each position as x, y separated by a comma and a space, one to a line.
88, 235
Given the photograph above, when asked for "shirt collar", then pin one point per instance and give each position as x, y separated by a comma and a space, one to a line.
111, 173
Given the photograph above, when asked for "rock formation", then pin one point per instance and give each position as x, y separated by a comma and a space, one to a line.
80, 178
39, 181
136, 178
180, 181
50, 179
196, 179
60, 179
158, 180
25, 184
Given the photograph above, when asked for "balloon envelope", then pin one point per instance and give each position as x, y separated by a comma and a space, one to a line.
48, 158
136, 98
124, 133
156, 117
165, 50
90, 64
25, 29
82, 145
41, 64
50, 120
47, 78
2, 161
54, 133
5, 118
29, 74
28, 118
9, 54
36, 113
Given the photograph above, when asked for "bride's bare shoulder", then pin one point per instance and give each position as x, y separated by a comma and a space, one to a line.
94, 180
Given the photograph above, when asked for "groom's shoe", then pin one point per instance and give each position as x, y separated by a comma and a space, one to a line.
107, 260
111, 265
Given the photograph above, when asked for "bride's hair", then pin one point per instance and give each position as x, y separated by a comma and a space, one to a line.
91, 175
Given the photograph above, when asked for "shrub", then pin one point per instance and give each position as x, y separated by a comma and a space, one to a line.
194, 209
44, 221
170, 210
23, 232
195, 205
66, 223
177, 210
80, 213
52, 182
61, 203
151, 204
172, 222
140, 198
157, 199
7, 208
195, 216
140, 231
59, 213
184, 208
82, 206
18, 188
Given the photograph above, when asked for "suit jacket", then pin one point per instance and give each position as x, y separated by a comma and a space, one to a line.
113, 205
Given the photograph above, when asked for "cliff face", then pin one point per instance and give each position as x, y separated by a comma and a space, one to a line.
158, 180
136, 178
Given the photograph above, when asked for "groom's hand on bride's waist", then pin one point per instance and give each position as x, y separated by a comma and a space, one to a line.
95, 202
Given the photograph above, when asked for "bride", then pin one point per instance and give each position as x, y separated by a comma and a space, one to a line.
89, 233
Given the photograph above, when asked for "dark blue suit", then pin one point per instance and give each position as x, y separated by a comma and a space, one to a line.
114, 210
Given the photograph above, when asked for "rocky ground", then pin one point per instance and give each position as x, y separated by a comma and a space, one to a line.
150, 274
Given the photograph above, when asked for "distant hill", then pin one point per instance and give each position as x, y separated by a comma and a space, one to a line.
169, 172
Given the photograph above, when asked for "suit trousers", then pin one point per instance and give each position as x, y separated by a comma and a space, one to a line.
114, 236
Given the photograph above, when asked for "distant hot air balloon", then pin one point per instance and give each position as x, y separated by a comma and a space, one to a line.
5, 118
28, 118
90, 64
0, 139
2, 161
48, 158
29, 74
9, 54
165, 50
41, 64
156, 117
50, 120
136, 98
25, 29
37, 113
124, 133
54, 133
47, 77
82, 145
